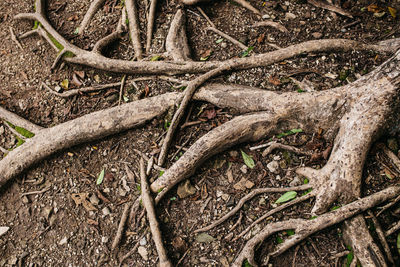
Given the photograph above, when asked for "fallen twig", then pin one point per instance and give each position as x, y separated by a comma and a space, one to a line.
381, 236
14, 38
133, 250
148, 204
206, 17
121, 89
227, 37
275, 145
270, 23
36, 192
393, 229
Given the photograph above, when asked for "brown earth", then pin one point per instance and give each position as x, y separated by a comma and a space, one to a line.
49, 229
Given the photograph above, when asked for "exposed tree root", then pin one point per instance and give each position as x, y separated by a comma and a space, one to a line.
121, 226
134, 31
150, 24
276, 145
19, 121
93, 8
272, 24
176, 42
147, 201
227, 37
304, 228
330, 7
247, 198
381, 236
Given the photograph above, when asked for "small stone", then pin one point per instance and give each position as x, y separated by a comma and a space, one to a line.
2, 130
185, 189
13, 260
104, 239
289, 15
266, 16
219, 193
243, 169
273, 166
262, 202
229, 174
277, 158
3, 230
58, 89
107, 190
143, 253
204, 238
278, 178
63, 241
143, 241
25, 200
94, 199
317, 35
224, 45
106, 211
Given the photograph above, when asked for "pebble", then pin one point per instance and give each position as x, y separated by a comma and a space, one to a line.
25, 200
317, 35
273, 166
289, 15
296, 181
243, 169
262, 202
106, 211
266, 16
224, 45
104, 239
143, 241
94, 199
143, 253
204, 238
3, 230
233, 154
63, 241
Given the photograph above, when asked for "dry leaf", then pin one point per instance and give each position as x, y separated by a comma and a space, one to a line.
81, 198
274, 80
392, 11
374, 8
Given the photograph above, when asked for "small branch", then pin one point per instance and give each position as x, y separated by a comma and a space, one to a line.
14, 38
274, 145
270, 23
247, 198
93, 8
393, 158
324, 5
121, 226
150, 24
387, 206
381, 236
134, 31
148, 204
227, 37
19, 121
273, 211
143, 155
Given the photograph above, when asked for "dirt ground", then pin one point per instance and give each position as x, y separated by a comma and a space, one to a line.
49, 228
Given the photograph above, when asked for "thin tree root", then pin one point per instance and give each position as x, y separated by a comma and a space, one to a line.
121, 226
273, 211
247, 5
273, 24
19, 121
304, 228
134, 31
150, 24
227, 37
393, 229
133, 250
148, 204
206, 17
246, 198
387, 206
275, 145
381, 236
14, 38
93, 8
324, 5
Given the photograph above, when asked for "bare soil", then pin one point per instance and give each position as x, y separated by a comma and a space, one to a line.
49, 229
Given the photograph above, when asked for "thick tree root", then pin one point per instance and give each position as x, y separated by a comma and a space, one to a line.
93, 8
134, 31
304, 228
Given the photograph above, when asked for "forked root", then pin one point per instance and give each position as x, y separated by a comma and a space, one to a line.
304, 228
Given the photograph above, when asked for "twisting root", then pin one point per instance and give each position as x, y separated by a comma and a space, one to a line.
227, 37
304, 228
247, 198
152, 217
275, 145
94, 7
176, 42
